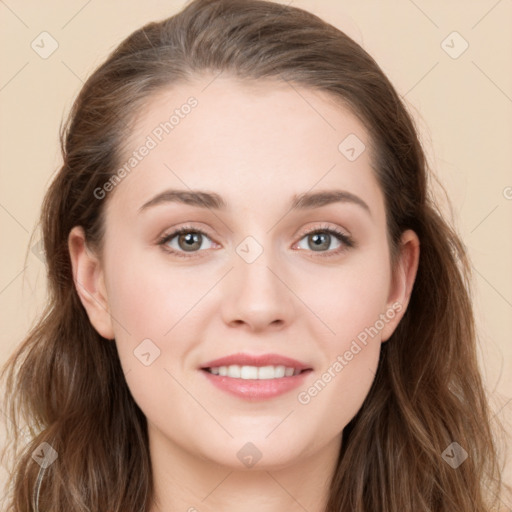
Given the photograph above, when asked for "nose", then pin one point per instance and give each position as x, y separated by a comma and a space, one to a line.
256, 295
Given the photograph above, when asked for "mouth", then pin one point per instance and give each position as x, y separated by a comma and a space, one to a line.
256, 377
247, 372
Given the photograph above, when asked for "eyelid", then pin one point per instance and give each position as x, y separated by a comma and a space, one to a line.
323, 227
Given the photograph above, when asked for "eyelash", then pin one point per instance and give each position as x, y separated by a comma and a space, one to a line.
345, 239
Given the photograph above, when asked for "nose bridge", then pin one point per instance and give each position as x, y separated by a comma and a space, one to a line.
254, 294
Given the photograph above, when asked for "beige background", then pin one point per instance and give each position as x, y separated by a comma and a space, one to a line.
463, 107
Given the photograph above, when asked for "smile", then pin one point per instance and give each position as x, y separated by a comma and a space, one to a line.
235, 371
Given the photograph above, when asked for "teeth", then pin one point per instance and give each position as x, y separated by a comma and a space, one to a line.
234, 371
254, 372
268, 372
244, 372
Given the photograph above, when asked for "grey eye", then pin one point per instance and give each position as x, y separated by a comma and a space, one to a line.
319, 241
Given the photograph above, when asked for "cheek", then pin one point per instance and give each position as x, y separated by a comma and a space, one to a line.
149, 306
351, 353
350, 301
147, 296
157, 309
349, 298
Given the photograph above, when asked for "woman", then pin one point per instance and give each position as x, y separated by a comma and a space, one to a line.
254, 302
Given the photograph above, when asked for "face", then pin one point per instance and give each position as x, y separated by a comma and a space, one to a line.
251, 227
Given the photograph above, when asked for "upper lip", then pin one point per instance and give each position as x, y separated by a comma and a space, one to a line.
241, 359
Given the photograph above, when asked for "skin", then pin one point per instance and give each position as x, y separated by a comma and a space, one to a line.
256, 145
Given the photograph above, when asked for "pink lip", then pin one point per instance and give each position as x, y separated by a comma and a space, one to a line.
256, 360
255, 389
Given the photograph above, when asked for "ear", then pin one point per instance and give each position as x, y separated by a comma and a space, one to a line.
402, 282
89, 282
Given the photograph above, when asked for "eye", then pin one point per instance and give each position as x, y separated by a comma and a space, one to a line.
185, 240
327, 240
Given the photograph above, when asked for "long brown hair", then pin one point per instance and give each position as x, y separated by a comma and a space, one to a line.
65, 381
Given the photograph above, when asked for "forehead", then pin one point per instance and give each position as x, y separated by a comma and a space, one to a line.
251, 139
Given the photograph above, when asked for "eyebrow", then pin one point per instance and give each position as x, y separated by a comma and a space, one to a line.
211, 200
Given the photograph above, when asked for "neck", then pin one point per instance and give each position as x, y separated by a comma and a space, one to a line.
185, 482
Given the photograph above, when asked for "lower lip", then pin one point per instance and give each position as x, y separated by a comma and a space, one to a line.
255, 389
